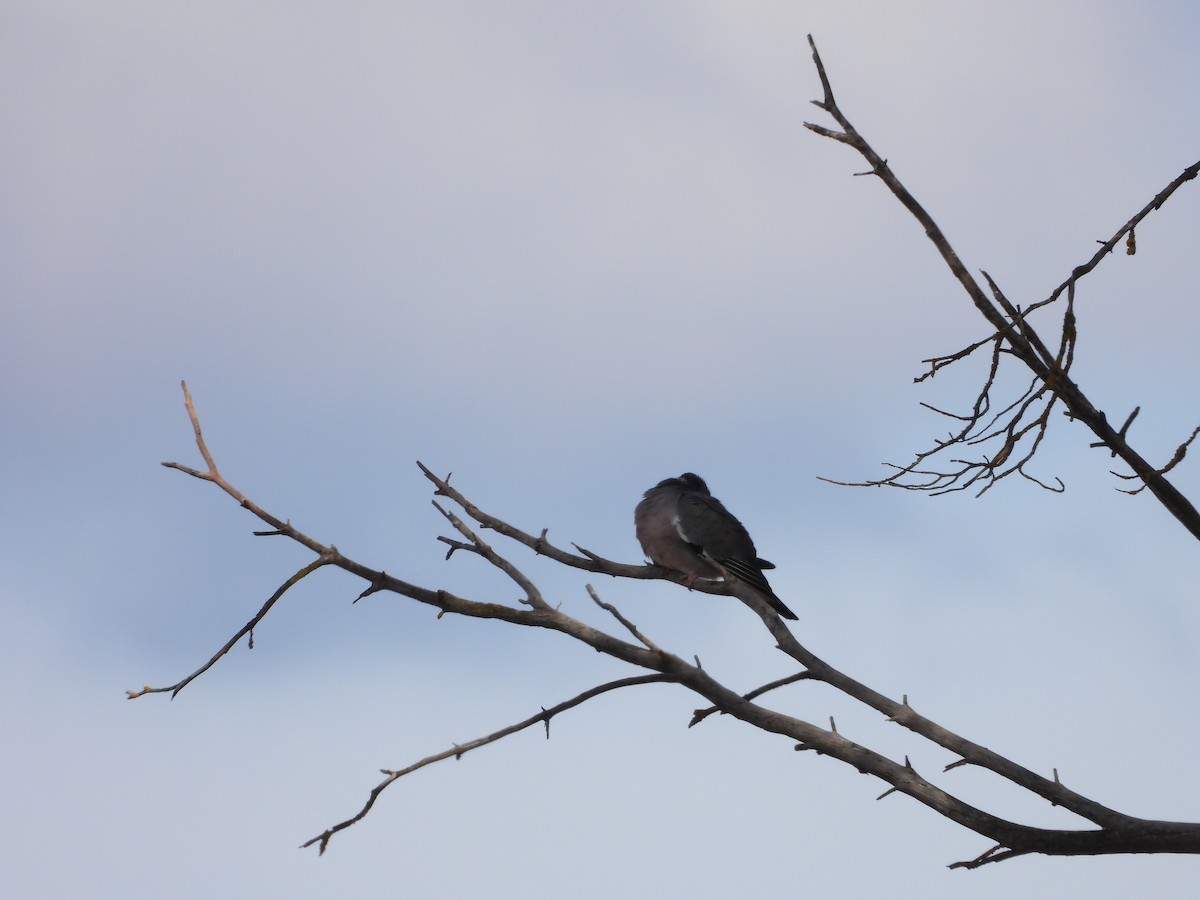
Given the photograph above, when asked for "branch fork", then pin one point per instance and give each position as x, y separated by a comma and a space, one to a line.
1018, 428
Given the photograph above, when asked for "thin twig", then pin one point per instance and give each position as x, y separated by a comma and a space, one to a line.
246, 629
1022, 341
629, 626
1176, 459
533, 596
1106, 248
458, 750
701, 714
588, 561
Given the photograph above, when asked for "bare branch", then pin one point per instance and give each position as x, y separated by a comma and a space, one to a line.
1118, 833
937, 363
702, 714
379, 580
247, 629
903, 714
1124, 428
458, 750
629, 626
988, 856
533, 596
588, 561
1180, 453
1022, 341
191, 411
1106, 248
1005, 442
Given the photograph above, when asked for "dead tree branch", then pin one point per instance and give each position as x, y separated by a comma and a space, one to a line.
458, 750
1114, 832
1020, 433
247, 629
587, 561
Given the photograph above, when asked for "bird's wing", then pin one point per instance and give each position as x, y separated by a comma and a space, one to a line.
705, 523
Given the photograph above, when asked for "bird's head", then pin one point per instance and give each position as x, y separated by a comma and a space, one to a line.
693, 482
688, 481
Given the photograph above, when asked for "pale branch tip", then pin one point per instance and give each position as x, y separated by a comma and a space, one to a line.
588, 553
188, 470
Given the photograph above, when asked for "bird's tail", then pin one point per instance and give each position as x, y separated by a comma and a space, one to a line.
756, 599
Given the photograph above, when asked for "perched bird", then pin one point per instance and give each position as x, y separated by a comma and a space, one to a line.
681, 526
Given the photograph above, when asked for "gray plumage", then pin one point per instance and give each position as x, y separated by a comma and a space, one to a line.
681, 526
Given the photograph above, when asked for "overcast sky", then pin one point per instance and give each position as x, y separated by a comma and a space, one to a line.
566, 250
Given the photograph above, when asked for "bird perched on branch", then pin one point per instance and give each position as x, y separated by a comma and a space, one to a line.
681, 526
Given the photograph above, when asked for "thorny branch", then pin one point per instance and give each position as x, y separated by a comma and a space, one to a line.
1015, 433
247, 629
1114, 832
458, 750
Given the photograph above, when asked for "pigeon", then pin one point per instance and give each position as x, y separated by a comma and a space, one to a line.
681, 526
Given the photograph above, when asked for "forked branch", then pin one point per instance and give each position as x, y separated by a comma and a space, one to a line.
1018, 431
1114, 832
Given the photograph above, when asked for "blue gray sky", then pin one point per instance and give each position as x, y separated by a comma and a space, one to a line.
564, 251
